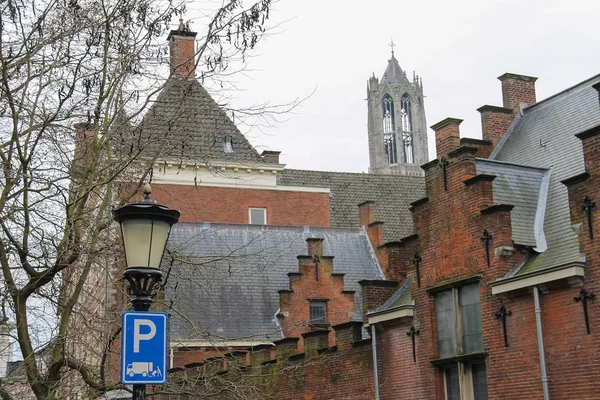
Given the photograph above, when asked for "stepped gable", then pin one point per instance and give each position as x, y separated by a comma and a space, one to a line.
185, 124
540, 137
392, 195
225, 282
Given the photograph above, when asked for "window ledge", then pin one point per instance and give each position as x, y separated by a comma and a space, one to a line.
480, 355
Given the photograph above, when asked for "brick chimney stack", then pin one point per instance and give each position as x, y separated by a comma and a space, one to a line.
447, 135
271, 156
517, 89
182, 50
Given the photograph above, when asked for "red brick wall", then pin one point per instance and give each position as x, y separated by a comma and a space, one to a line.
567, 340
517, 89
230, 205
305, 285
449, 226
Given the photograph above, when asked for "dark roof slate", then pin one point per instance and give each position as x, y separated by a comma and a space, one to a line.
544, 137
225, 283
521, 187
186, 124
392, 195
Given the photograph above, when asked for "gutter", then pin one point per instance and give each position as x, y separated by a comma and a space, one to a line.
540, 337
375, 373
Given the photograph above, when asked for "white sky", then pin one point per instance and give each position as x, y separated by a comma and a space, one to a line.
458, 47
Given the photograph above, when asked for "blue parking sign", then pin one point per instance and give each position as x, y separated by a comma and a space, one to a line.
144, 347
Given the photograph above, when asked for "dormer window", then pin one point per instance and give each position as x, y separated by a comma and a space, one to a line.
227, 144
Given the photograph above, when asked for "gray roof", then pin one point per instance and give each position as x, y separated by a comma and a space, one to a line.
225, 283
392, 195
393, 73
186, 125
402, 297
543, 136
525, 188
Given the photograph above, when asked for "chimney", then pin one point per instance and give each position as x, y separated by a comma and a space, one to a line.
495, 121
182, 51
447, 135
517, 89
271, 156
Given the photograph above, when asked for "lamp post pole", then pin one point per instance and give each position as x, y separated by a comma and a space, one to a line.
145, 228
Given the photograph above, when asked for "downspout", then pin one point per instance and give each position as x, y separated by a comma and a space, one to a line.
374, 346
540, 337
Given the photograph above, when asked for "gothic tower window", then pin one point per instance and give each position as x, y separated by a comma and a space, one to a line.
389, 138
406, 123
388, 113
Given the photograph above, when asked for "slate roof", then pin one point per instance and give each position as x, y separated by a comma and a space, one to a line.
402, 297
226, 280
393, 73
544, 137
525, 188
186, 124
392, 195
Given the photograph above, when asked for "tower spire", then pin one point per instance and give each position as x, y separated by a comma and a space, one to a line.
392, 45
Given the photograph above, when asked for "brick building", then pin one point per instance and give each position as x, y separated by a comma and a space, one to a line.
494, 263
493, 294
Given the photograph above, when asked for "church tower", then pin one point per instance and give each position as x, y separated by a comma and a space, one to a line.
396, 123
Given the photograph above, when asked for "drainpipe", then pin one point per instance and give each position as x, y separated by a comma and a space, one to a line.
540, 337
374, 346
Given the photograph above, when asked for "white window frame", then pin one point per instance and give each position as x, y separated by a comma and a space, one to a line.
250, 209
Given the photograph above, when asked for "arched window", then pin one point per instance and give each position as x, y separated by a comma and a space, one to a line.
406, 123
389, 144
388, 113
389, 137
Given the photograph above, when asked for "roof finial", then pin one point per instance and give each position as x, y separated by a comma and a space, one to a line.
392, 45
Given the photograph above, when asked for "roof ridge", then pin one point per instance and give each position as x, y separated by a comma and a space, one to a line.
355, 173
557, 96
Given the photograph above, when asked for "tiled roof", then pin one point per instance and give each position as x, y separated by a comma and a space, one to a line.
186, 124
544, 137
392, 195
526, 189
226, 280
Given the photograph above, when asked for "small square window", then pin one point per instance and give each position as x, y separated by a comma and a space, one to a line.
257, 216
318, 312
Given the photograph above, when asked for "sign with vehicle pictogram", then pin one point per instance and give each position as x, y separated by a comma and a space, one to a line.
144, 347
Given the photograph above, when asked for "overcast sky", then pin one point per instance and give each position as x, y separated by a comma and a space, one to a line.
458, 47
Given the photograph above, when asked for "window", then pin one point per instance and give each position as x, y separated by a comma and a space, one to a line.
257, 216
389, 144
406, 122
458, 318
227, 144
388, 113
318, 312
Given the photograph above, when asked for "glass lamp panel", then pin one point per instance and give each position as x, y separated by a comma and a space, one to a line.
144, 241
160, 235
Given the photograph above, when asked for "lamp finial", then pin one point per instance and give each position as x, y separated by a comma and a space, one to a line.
147, 191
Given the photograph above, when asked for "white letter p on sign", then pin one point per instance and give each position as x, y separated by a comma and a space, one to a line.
137, 336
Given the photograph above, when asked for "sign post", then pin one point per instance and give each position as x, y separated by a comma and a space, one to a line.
144, 348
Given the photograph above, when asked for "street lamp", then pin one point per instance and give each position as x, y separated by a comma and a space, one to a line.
145, 228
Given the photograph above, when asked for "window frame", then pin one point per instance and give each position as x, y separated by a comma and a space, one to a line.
322, 302
462, 360
264, 209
